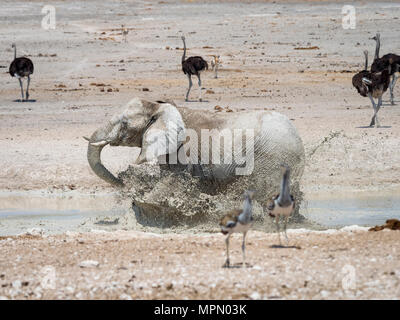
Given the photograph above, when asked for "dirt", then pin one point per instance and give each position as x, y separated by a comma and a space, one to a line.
292, 58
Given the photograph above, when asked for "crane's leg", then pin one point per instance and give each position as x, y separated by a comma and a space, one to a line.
199, 87
190, 86
226, 265
373, 106
391, 87
286, 221
277, 227
22, 89
27, 88
244, 249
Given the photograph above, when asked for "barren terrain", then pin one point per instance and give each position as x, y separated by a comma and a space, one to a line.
292, 58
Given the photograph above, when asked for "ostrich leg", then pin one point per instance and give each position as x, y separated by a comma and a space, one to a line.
27, 88
376, 112
190, 86
373, 106
200, 99
22, 89
391, 87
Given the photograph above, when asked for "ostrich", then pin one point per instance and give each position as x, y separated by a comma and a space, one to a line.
20, 68
282, 204
215, 63
192, 66
238, 220
390, 59
125, 32
373, 85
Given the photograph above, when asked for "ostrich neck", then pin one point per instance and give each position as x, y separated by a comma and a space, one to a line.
15, 52
184, 51
378, 44
284, 196
366, 61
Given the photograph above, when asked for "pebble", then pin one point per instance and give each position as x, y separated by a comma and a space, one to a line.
89, 264
255, 296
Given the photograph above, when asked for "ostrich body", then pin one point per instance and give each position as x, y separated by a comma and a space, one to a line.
238, 220
387, 61
282, 204
20, 68
192, 66
373, 85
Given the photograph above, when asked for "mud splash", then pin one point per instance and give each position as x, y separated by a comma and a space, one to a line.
165, 199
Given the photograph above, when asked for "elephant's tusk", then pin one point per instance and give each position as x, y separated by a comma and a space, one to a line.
100, 143
86, 138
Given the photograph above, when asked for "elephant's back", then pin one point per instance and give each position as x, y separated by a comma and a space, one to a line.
279, 142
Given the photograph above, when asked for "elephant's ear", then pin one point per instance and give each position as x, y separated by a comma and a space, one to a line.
164, 135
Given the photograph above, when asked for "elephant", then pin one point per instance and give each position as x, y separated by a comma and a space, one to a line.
176, 142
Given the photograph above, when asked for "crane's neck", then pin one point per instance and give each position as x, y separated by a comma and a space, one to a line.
245, 217
378, 45
284, 195
184, 50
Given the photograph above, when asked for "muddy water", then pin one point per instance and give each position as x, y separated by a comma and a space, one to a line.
364, 209
20, 212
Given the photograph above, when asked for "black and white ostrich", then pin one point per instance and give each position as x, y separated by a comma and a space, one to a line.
373, 85
388, 60
192, 66
20, 68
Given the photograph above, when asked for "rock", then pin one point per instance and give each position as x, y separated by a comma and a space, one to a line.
89, 264
255, 296
16, 284
34, 232
125, 296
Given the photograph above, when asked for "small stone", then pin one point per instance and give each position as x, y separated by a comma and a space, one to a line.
89, 264
255, 296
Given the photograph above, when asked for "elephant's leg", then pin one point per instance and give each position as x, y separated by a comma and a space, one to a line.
22, 89
27, 88
190, 86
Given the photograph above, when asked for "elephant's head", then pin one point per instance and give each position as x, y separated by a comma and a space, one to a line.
156, 128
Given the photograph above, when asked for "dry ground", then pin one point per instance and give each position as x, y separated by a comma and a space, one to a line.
344, 264
42, 147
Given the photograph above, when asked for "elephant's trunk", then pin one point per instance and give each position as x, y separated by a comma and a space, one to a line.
96, 144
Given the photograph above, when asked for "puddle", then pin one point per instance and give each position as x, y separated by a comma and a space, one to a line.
361, 209
54, 214
20, 212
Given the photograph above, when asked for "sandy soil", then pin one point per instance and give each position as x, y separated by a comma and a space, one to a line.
345, 264
77, 63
